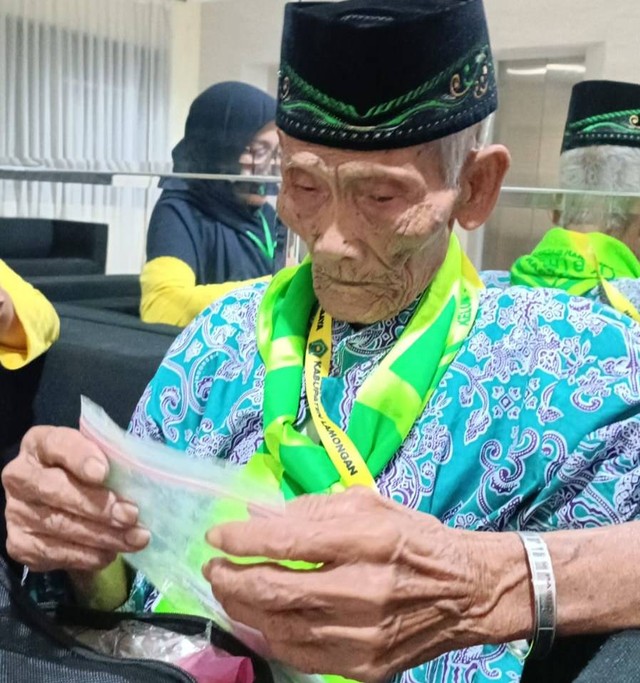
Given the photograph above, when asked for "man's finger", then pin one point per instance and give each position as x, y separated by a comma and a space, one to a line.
42, 554
277, 539
56, 488
44, 521
68, 449
340, 540
332, 591
246, 584
296, 627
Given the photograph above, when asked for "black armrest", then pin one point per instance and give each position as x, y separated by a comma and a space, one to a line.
82, 287
107, 356
81, 240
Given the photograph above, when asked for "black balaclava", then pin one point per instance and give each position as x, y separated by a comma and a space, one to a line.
222, 122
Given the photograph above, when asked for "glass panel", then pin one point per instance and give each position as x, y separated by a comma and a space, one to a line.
101, 93
534, 99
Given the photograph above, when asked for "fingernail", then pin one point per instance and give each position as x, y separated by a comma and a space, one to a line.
214, 538
95, 470
125, 513
137, 538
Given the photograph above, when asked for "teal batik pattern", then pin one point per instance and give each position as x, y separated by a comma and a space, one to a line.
536, 424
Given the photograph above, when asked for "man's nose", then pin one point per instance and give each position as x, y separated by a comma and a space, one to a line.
337, 239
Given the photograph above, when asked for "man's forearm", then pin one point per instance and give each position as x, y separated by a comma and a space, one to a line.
596, 571
596, 574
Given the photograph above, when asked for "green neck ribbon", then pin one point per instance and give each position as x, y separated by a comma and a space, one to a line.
268, 247
575, 262
392, 397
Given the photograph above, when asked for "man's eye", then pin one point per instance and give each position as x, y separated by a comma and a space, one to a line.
382, 198
306, 188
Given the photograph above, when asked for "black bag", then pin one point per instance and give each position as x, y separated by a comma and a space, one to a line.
34, 648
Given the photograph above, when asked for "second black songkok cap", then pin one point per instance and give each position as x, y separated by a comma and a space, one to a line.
382, 74
603, 113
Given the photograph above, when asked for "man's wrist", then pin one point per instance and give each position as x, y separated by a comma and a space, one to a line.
502, 609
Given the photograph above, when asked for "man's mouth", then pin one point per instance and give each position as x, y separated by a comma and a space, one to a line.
344, 282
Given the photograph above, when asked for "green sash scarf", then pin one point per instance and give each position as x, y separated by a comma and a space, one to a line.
576, 262
389, 401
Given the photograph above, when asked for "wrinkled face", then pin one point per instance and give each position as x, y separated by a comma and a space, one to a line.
261, 157
377, 224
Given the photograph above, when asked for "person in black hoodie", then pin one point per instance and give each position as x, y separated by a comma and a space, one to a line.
206, 236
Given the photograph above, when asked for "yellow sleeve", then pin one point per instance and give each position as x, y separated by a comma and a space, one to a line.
170, 294
37, 316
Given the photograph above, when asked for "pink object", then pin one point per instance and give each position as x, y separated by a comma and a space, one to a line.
214, 666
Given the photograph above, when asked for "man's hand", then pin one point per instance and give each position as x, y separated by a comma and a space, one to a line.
59, 513
11, 330
396, 587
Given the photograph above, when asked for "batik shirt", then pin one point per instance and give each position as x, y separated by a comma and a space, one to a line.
629, 287
535, 425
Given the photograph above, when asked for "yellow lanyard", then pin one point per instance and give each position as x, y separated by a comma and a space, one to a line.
614, 296
618, 300
350, 465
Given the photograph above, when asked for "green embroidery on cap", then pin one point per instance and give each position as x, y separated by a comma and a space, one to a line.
471, 77
625, 122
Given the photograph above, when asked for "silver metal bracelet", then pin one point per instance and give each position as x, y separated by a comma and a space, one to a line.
543, 583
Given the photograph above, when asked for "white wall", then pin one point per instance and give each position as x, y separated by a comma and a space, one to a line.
240, 39
185, 64
606, 31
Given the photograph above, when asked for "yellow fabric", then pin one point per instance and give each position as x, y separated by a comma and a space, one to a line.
37, 316
170, 294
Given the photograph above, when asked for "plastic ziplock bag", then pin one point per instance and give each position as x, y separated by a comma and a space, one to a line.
179, 499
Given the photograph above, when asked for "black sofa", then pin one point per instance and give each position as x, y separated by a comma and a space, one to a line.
100, 292
108, 356
41, 246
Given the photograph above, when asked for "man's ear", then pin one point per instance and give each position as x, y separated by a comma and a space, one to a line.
480, 183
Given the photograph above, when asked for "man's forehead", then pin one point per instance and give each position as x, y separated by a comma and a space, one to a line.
399, 164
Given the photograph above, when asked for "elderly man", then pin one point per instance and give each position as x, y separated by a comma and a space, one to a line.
595, 252
381, 362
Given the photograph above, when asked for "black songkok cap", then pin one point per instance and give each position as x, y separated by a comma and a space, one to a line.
603, 113
382, 74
